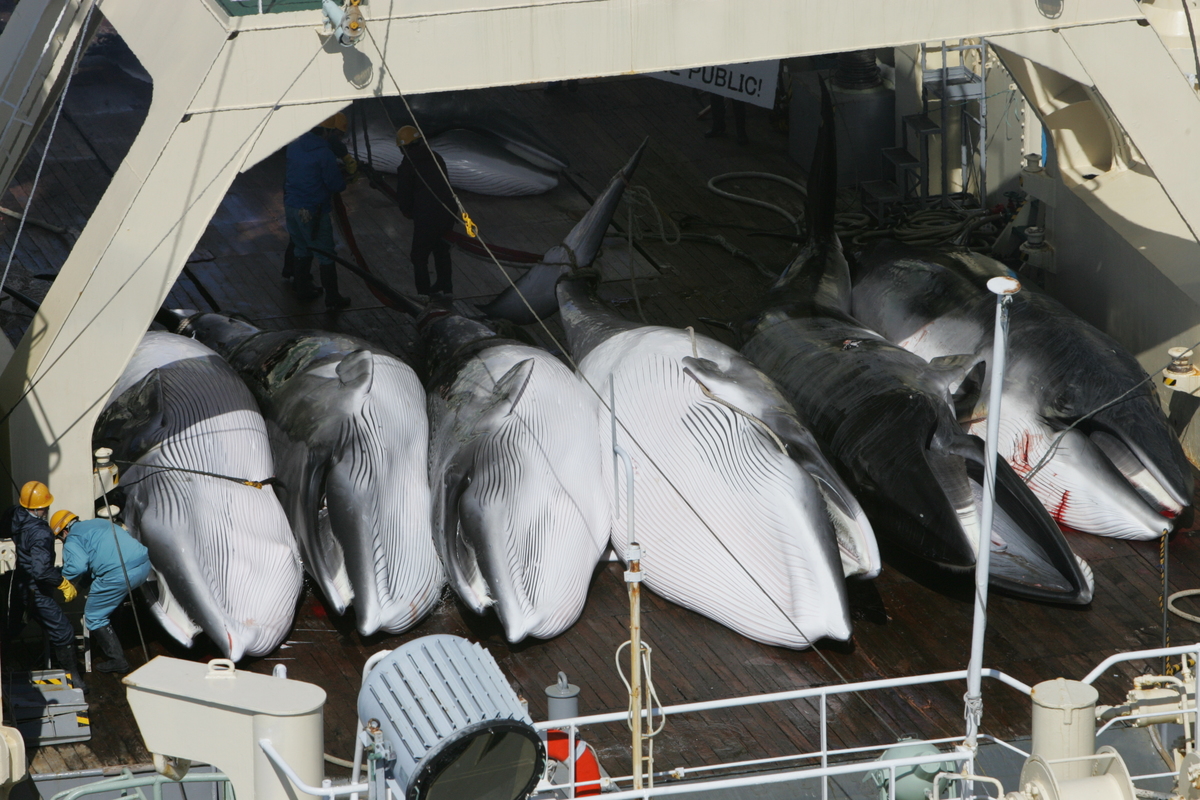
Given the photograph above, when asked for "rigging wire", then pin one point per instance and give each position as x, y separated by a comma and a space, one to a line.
1041, 462
86, 327
605, 405
37, 176
137, 621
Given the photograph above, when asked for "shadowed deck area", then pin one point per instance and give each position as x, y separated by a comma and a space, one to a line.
905, 622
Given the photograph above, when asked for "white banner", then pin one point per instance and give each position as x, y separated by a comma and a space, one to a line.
752, 83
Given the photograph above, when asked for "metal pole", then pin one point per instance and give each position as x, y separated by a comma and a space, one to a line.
634, 579
1003, 288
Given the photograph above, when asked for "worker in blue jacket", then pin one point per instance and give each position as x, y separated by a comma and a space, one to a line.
314, 174
118, 564
37, 581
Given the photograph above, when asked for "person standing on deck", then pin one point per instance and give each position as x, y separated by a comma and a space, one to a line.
314, 175
37, 580
425, 197
106, 550
718, 118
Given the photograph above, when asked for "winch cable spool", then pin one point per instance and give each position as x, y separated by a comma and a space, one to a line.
137, 620
574, 365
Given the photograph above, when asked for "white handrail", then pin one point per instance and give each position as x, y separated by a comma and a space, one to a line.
319, 791
1165, 712
1158, 652
759, 779
796, 694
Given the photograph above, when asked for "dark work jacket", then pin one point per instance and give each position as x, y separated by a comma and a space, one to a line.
35, 549
313, 174
422, 191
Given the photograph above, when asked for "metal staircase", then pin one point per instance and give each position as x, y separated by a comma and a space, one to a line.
958, 89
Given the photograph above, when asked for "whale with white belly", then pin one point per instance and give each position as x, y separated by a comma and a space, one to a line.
186, 432
350, 439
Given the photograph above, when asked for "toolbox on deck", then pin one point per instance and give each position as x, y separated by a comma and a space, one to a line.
45, 708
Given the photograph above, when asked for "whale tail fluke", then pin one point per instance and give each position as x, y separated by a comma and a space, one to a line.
533, 296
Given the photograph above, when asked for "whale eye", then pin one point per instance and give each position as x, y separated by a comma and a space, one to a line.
1063, 402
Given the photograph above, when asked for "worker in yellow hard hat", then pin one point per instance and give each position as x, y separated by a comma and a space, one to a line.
37, 582
316, 170
118, 564
425, 197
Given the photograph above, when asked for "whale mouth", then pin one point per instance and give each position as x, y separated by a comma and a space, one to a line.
1138, 471
1147, 454
1016, 558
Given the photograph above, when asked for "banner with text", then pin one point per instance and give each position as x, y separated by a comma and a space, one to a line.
752, 83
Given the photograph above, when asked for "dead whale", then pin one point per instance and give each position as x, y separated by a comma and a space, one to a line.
350, 438
186, 431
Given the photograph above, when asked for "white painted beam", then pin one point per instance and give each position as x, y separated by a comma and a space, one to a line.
1153, 102
126, 259
436, 45
37, 45
228, 91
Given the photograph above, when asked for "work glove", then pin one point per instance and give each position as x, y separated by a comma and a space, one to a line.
350, 167
68, 590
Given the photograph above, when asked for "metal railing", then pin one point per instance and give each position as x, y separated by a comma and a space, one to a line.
850, 759
824, 771
127, 782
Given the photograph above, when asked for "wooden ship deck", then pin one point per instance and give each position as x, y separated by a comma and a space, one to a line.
905, 622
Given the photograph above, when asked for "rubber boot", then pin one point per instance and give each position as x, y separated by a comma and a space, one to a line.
302, 283
329, 281
65, 653
106, 637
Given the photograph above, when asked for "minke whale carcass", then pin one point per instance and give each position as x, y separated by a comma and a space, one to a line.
186, 430
520, 510
1120, 471
738, 512
886, 419
475, 162
487, 149
350, 439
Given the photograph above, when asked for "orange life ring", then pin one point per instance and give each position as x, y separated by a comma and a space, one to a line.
587, 768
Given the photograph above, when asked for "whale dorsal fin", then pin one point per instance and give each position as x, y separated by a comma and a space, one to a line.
356, 371
511, 386
961, 376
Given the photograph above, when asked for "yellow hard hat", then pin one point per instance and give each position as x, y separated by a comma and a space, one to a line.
407, 135
337, 121
36, 494
61, 519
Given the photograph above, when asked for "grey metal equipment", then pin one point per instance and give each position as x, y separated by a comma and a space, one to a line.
1064, 726
47, 710
442, 723
562, 699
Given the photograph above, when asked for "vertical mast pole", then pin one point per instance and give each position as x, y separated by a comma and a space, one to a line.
634, 578
1003, 288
